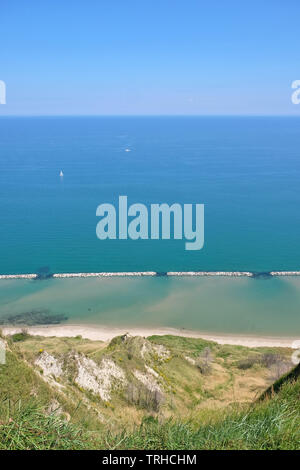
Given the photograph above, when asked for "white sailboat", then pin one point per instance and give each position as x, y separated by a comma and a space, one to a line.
61, 173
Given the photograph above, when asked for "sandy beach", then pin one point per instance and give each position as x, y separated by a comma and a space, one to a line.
106, 333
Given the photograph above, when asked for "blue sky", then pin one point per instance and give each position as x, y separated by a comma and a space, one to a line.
149, 56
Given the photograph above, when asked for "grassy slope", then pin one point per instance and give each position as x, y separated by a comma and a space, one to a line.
273, 423
187, 391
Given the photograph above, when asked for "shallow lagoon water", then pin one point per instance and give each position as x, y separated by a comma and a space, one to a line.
268, 306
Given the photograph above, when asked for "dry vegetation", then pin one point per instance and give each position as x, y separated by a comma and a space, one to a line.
139, 393
123, 381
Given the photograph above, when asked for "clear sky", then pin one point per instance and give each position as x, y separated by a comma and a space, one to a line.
149, 56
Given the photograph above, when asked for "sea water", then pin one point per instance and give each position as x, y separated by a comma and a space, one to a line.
246, 170
225, 305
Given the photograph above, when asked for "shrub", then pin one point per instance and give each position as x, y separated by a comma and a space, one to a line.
141, 396
203, 362
278, 369
247, 363
19, 337
277, 365
269, 359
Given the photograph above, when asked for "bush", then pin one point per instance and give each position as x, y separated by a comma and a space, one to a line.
19, 337
203, 362
279, 369
269, 359
247, 363
141, 396
277, 365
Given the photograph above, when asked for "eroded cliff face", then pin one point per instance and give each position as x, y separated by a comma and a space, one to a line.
104, 376
131, 377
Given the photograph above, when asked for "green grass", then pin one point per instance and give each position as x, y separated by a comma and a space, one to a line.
273, 422
28, 427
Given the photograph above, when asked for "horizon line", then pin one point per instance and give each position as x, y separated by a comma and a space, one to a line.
149, 115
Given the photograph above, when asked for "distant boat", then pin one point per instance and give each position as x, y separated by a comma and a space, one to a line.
61, 173
127, 150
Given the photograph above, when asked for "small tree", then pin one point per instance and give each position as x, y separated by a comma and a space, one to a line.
269, 359
141, 396
203, 362
277, 364
279, 369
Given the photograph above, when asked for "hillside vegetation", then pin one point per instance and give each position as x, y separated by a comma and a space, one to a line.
163, 392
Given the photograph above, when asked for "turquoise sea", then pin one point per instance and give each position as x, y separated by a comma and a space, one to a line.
246, 170
223, 305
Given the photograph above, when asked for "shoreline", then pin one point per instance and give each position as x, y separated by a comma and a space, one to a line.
106, 333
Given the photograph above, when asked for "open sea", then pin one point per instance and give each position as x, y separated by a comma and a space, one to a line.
246, 170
